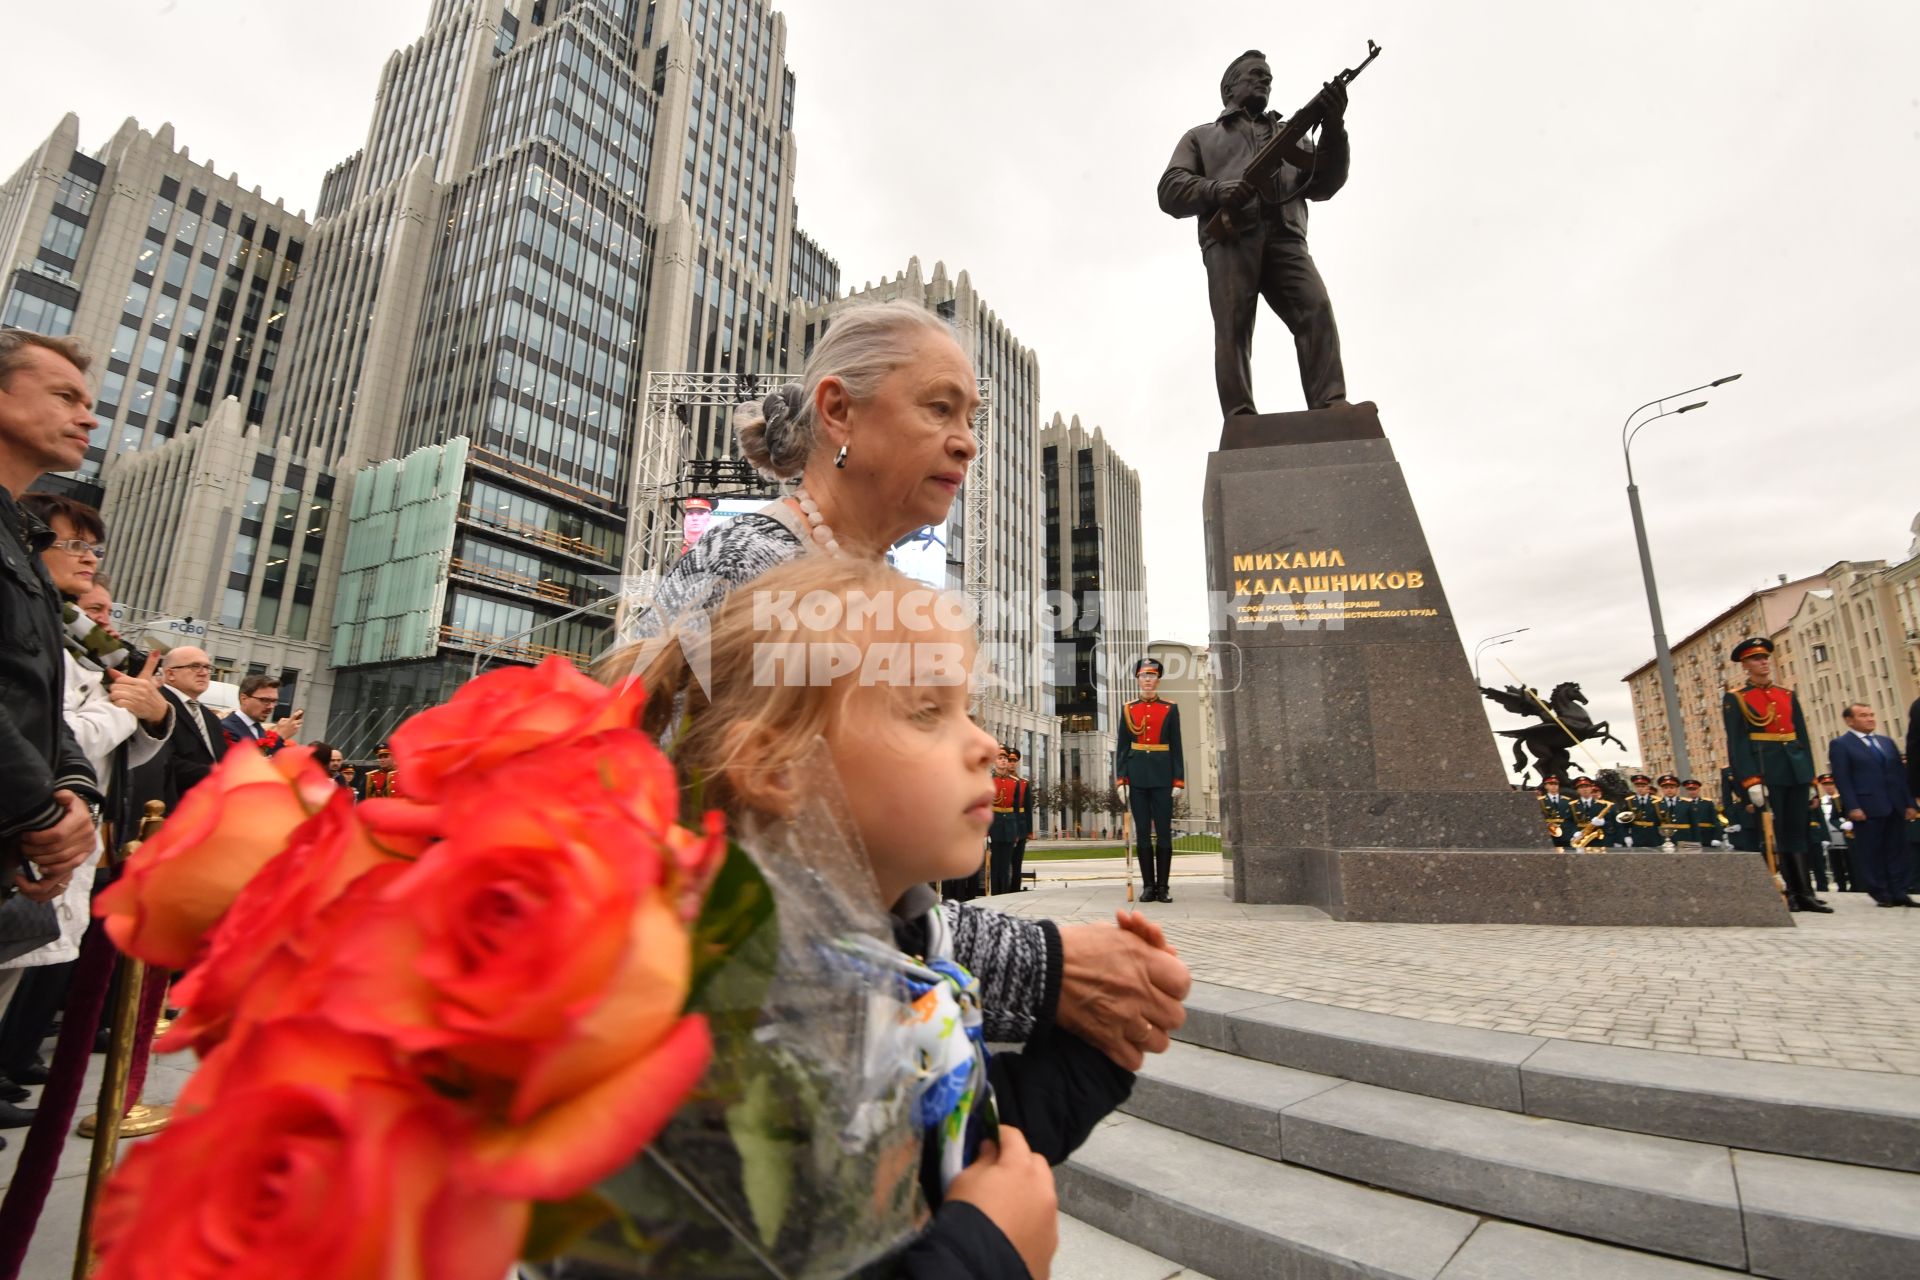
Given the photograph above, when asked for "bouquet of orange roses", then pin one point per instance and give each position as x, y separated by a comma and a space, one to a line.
428, 1024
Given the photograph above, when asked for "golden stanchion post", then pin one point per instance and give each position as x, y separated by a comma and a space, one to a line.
128, 984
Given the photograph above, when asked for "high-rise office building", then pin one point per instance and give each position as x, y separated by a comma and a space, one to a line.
179, 279
1017, 708
1093, 556
554, 197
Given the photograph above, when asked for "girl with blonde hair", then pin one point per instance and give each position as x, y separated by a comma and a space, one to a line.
854, 661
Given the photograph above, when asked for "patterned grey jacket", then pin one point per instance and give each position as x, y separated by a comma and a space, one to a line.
1016, 961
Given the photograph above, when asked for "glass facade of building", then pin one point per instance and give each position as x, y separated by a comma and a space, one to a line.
192, 315
202, 319
451, 557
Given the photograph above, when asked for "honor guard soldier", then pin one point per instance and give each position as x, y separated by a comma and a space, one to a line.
1638, 818
1558, 811
1023, 805
1772, 758
383, 779
1709, 824
1590, 814
1149, 763
1005, 832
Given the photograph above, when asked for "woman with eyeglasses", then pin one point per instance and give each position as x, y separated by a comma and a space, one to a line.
106, 706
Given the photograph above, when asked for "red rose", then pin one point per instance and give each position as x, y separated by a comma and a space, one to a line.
315, 1160
271, 934
540, 951
177, 885
504, 714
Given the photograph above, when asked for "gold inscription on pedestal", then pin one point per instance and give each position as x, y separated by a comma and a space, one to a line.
1268, 590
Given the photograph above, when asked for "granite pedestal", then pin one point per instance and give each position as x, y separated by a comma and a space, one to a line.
1358, 774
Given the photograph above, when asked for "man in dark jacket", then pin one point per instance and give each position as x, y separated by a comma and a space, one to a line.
1874, 791
50, 794
1269, 257
258, 696
198, 742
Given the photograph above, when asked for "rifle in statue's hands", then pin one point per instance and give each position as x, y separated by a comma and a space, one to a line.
1284, 148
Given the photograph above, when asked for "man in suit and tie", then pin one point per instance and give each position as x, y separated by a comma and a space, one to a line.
197, 741
258, 696
1879, 799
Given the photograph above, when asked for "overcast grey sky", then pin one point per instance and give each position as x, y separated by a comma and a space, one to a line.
1556, 212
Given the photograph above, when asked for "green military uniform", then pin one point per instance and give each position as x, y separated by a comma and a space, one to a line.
1558, 812
1828, 834
1637, 818
1025, 801
1149, 759
1739, 813
1589, 808
1707, 824
1673, 814
1767, 743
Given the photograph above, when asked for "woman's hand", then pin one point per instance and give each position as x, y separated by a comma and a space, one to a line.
1120, 989
1014, 1188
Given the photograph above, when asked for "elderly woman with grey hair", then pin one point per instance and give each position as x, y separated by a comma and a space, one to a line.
879, 432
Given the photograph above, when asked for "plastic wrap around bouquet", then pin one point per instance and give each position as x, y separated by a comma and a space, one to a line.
428, 1026
799, 1152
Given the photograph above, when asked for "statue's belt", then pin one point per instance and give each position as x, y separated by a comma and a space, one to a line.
1150, 746
1773, 737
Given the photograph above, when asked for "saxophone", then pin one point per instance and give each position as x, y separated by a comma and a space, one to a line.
1596, 830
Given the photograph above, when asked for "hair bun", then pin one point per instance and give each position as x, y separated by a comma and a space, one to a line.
772, 433
783, 406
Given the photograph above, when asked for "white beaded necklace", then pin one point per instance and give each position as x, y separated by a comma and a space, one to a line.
822, 533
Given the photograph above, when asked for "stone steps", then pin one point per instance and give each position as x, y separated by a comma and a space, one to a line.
1313, 1142
1088, 1253
1852, 1117
1238, 1216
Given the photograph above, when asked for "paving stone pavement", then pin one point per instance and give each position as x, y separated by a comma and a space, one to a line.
50, 1255
1834, 991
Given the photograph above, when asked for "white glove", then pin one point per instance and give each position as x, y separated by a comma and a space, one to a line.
1846, 824
1757, 794
1733, 828
1623, 817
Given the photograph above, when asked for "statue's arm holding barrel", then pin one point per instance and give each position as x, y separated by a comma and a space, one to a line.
1332, 150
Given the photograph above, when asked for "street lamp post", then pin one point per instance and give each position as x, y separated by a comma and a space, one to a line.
1662, 655
1493, 642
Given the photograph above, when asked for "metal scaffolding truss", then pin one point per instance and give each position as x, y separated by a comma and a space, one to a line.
664, 473
664, 447
978, 511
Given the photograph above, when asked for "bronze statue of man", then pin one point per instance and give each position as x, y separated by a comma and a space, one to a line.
1269, 257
